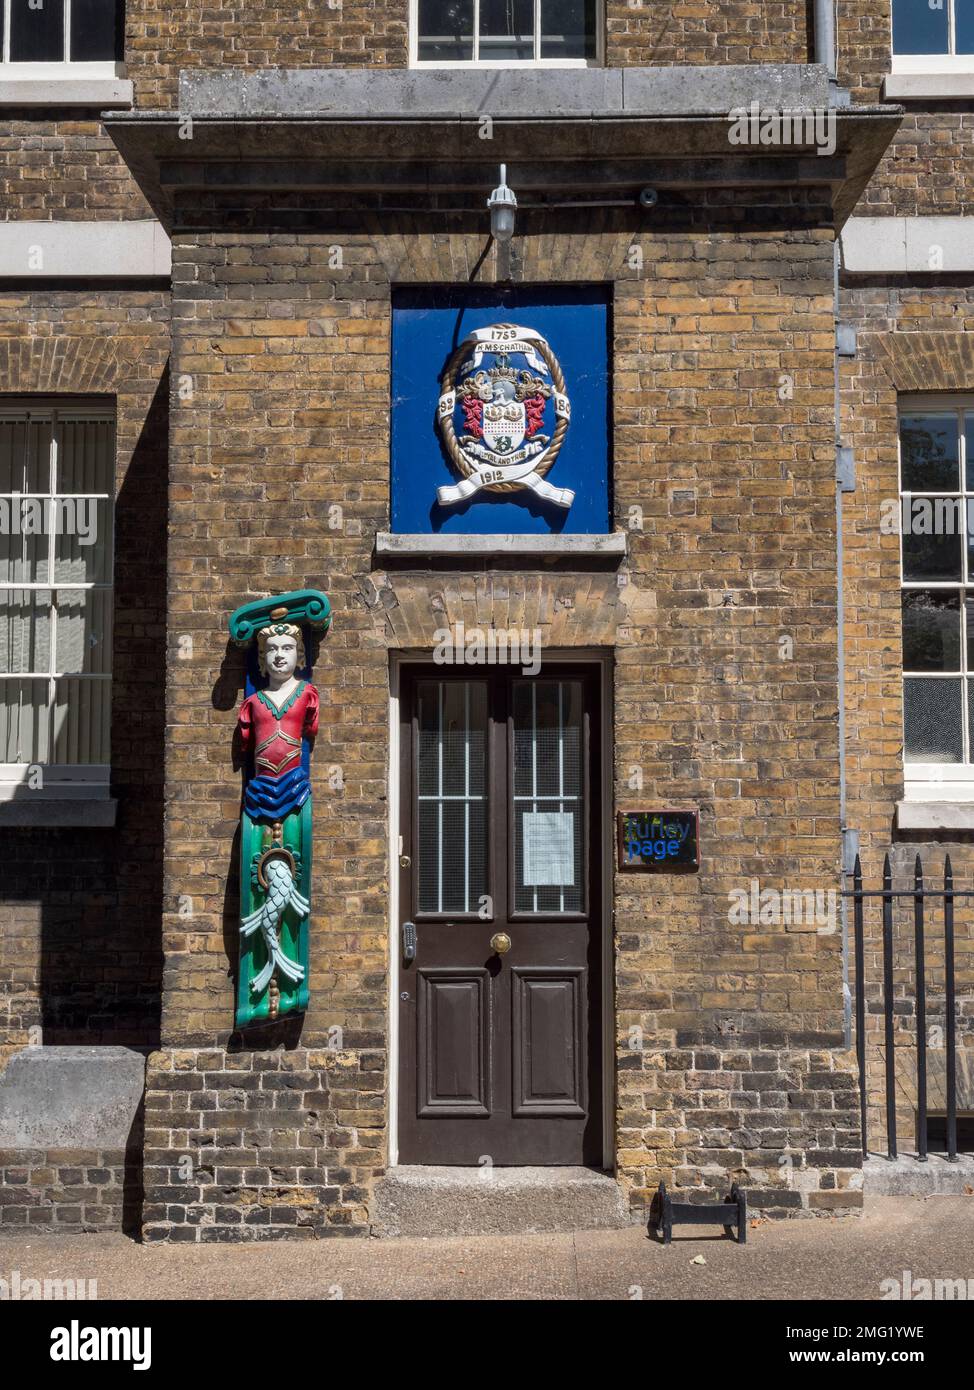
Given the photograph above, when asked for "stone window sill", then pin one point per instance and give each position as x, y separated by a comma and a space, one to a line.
928, 86
100, 92
935, 815
424, 547
32, 810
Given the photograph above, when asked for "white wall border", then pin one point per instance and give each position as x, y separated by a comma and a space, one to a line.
907, 245
84, 250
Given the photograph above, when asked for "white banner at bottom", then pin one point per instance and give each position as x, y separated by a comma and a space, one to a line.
526, 473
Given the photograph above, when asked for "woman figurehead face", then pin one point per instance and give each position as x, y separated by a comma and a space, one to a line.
280, 650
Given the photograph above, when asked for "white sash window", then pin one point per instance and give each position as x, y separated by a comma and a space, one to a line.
931, 36
505, 33
57, 38
936, 524
57, 488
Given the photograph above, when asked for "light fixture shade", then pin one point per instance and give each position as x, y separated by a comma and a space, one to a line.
502, 205
502, 222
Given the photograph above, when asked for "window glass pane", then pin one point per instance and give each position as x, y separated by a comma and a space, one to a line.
969, 441
568, 28
937, 555
36, 35
25, 631
82, 716
964, 26
84, 631
82, 540
97, 31
86, 456
931, 630
549, 809
507, 29
24, 721
24, 557
929, 453
452, 795
932, 720
25, 456
445, 31
919, 29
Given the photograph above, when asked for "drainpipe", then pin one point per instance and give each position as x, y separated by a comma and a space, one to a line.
825, 54
824, 22
847, 839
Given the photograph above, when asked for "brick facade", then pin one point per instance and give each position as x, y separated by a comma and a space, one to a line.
62, 166
70, 1191
254, 401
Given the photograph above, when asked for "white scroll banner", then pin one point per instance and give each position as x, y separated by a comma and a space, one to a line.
526, 473
512, 339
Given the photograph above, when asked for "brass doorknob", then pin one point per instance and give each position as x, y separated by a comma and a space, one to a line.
500, 942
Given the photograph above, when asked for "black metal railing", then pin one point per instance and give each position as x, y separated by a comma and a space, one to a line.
920, 895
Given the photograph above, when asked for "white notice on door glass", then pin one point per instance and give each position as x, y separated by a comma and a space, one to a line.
549, 849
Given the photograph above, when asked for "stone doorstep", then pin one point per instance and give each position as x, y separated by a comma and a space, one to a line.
906, 1176
440, 1201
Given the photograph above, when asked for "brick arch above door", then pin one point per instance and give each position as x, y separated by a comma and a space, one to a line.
568, 610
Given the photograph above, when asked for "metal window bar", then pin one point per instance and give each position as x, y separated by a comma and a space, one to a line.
442, 799
534, 798
920, 894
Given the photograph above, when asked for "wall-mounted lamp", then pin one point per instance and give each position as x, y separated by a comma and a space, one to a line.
502, 205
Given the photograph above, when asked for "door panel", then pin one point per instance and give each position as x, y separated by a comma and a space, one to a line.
453, 1042
500, 1051
549, 1041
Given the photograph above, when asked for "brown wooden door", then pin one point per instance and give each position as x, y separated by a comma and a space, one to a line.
500, 1052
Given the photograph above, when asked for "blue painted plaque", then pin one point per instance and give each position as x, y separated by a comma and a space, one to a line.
500, 410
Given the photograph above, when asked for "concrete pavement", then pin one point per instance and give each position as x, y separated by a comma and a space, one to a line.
840, 1259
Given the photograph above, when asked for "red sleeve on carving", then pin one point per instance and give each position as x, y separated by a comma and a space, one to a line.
245, 723
311, 713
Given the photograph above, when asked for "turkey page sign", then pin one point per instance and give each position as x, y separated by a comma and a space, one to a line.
659, 842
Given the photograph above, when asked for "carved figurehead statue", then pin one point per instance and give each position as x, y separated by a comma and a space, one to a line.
278, 722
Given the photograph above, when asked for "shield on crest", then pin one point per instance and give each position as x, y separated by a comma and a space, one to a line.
505, 419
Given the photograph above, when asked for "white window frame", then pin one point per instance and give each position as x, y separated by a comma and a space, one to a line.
922, 64
951, 782
514, 64
60, 779
52, 72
